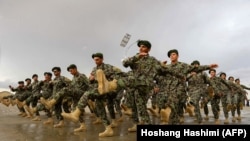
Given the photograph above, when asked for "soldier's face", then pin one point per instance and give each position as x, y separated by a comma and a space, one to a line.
212, 73
144, 49
47, 77
72, 71
56, 72
223, 76
173, 57
231, 79
98, 61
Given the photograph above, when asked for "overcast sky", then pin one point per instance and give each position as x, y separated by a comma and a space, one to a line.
38, 35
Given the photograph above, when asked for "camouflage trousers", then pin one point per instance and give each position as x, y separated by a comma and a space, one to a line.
154, 100
215, 101
139, 105
173, 103
117, 101
129, 97
41, 107
100, 101
237, 100
182, 95
161, 99
224, 102
110, 97
33, 99
69, 92
195, 96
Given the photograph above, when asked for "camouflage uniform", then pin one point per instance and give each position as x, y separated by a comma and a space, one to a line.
21, 94
59, 85
222, 91
144, 71
244, 95
197, 83
236, 92
111, 72
178, 89
46, 92
35, 94
162, 82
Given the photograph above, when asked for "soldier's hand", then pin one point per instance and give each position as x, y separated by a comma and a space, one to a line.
165, 62
156, 89
142, 54
213, 65
91, 77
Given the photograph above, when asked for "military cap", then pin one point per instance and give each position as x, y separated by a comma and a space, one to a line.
27, 79
211, 70
34, 75
237, 79
72, 66
145, 43
223, 73
230, 77
20, 82
47, 73
56, 68
172, 51
98, 54
195, 62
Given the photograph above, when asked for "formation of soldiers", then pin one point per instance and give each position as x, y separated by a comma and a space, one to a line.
173, 88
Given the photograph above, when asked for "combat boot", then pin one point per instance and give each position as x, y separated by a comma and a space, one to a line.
120, 119
37, 118
190, 109
114, 123
19, 103
73, 116
226, 121
24, 114
104, 86
133, 128
60, 124
127, 111
165, 113
49, 121
239, 117
12, 101
81, 128
216, 121
241, 105
229, 107
97, 121
27, 108
107, 133
48, 103
6, 102
234, 119
206, 118
154, 112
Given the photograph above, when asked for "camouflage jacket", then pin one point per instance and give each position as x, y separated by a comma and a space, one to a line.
236, 89
144, 69
198, 80
80, 82
220, 86
183, 69
36, 87
110, 71
59, 83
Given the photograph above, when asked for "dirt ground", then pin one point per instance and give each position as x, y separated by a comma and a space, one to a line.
16, 128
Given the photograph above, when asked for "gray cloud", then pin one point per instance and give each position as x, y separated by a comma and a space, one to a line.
38, 35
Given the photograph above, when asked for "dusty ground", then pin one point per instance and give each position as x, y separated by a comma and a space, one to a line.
16, 128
